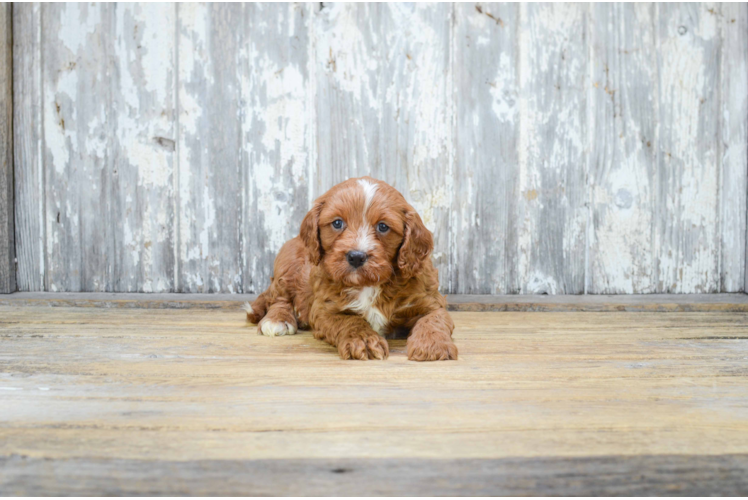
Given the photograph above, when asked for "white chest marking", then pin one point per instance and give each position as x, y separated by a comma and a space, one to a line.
363, 304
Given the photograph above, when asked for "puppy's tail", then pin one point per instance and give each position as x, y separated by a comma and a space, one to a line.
257, 309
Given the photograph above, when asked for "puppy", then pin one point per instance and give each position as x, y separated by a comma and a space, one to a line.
359, 270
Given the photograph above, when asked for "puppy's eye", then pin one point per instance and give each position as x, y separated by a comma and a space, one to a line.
382, 227
337, 223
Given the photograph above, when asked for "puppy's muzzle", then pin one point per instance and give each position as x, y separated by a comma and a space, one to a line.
355, 258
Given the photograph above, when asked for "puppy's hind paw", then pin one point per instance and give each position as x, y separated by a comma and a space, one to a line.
275, 328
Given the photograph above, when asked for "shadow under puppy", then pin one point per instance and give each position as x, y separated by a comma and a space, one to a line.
359, 270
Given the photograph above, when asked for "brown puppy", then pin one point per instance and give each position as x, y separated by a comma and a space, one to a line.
359, 269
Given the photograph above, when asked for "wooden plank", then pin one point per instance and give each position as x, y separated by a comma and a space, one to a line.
726, 302
552, 198
79, 145
624, 93
278, 164
108, 186
486, 173
170, 391
7, 207
210, 144
108, 134
659, 475
687, 239
143, 104
244, 184
600, 303
384, 105
733, 116
28, 146
108, 111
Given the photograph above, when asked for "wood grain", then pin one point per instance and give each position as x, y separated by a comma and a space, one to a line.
79, 145
28, 145
210, 142
733, 116
725, 302
7, 207
86, 390
552, 198
624, 93
686, 233
486, 170
245, 165
279, 166
658, 475
142, 186
550, 148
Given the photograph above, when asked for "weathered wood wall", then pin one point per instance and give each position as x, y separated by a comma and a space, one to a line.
563, 148
7, 245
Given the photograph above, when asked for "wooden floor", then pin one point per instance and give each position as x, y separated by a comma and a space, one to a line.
139, 401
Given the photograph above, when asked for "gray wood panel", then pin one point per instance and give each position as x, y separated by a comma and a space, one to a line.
623, 157
554, 149
79, 145
210, 143
733, 115
108, 107
278, 164
687, 200
486, 168
108, 138
245, 157
143, 108
384, 105
7, 232
552, 145
28, 139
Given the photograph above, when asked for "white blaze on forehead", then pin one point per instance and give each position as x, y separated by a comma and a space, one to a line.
364, 240
363, 304
369, 191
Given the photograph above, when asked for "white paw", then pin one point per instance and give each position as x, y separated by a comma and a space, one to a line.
276, 329
248, 307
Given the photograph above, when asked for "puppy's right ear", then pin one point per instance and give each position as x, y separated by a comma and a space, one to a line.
309, 234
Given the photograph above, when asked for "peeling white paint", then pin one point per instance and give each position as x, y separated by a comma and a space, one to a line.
59, 141
79, 21
332, 94
503, 92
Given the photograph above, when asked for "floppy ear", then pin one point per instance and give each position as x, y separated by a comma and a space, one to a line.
309, 233
417, 245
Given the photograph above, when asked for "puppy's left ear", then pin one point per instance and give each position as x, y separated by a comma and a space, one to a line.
309, 233
417, 245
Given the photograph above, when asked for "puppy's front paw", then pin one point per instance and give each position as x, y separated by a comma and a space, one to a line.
431, 349
363, 347
275, 328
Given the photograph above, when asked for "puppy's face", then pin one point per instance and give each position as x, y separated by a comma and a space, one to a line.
362, 231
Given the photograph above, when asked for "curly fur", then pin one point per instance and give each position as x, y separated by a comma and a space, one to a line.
395, 291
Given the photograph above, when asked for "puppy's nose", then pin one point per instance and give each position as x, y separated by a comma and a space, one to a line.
356, 258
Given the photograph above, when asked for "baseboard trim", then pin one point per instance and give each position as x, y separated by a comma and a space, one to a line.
727, 302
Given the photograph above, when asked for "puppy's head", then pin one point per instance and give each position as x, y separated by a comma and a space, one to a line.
362, 231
